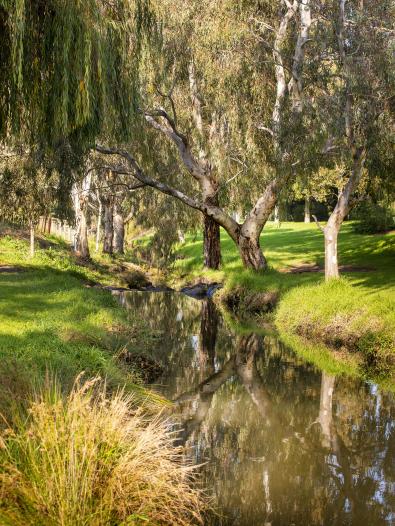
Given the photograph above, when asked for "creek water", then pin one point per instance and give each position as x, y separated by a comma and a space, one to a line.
281, 442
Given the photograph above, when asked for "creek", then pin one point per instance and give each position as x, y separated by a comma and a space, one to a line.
281, 442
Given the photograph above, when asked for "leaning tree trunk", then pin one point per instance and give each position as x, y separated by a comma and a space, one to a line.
108, 227
248, 242
307, 216
341, 210
119, 231
251, 253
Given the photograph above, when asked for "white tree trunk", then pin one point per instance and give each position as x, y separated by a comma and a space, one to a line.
342, 208
277, 215
331, 264
119, 231
80, 195
326, 402
32, 236
307, 215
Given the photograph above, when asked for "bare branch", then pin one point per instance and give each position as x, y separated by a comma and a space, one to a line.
318, 223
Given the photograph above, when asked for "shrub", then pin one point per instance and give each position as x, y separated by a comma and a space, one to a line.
373, 218
93, 460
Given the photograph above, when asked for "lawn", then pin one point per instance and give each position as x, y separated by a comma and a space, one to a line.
294, 244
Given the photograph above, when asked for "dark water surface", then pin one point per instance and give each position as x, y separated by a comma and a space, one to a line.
284, 443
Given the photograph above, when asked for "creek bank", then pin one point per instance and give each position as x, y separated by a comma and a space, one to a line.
333, 316
339, 316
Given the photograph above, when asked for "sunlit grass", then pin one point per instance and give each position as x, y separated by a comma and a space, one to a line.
92, 459
50, 321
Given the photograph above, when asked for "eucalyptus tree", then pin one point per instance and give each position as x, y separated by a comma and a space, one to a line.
242, 103
356, 101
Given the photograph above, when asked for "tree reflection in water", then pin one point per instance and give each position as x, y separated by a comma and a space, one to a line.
282, 442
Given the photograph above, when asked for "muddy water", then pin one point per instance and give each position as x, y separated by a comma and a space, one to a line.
283, 443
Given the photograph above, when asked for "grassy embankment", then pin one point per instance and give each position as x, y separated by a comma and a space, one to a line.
356, 313
50, 321
78, 455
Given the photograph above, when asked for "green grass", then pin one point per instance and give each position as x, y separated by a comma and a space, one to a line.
359, 309
294, 244
49, 321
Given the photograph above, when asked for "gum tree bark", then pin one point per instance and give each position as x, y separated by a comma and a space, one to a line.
357, 153
108, 225
307, 215
341, 210
208, 184
211, 239
98, 225
32, 236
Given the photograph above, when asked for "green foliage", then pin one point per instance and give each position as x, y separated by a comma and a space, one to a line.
69, 68
27, 189
372, 218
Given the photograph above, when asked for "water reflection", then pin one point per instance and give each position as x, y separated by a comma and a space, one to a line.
283, 442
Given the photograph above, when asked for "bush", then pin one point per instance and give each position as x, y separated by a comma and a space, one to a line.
92, 460
373, 218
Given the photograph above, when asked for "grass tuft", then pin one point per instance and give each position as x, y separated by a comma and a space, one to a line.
93, 459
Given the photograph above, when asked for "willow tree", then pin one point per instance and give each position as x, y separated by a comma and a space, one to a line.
68, 74
230, 99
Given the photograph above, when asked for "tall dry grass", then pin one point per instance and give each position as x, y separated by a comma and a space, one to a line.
90, 460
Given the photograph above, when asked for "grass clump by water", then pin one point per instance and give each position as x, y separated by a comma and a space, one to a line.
93, 460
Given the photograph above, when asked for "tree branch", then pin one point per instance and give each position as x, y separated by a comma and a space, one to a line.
221, 217
318, 223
